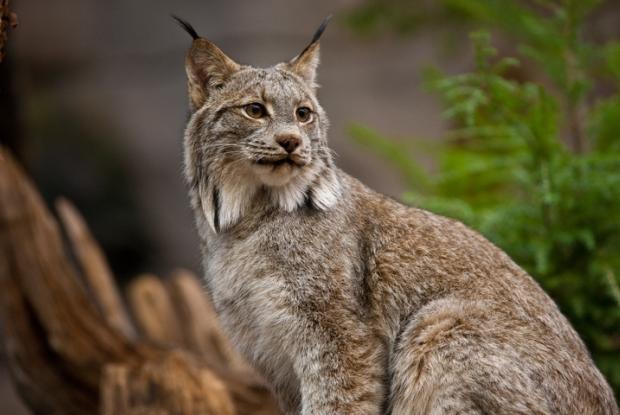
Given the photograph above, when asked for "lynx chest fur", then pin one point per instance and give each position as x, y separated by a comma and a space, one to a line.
278, 266
346, 301
269, 274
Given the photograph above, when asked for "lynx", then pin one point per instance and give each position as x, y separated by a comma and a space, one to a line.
344, 300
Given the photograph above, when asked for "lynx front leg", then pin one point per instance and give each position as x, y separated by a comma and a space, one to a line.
340, 372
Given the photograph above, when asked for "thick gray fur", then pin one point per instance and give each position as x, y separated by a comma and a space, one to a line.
346, 301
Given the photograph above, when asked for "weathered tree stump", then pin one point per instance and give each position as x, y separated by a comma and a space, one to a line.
70, 344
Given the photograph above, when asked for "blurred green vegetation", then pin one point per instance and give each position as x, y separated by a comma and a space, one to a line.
534, 166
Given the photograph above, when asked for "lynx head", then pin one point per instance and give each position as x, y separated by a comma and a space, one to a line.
255, 131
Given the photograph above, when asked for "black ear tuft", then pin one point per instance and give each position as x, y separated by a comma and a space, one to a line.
186, 26
321, 29
317, 35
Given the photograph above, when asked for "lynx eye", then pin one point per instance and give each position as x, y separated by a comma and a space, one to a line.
304, 114
255, 110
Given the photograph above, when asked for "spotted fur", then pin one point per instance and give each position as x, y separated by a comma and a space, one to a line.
346, 301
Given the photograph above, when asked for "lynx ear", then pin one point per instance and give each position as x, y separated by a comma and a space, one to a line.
206, 65
305, 64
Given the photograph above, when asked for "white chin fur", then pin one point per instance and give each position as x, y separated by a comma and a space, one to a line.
287, 187
290, 196
276, 176
286, 184
326, 190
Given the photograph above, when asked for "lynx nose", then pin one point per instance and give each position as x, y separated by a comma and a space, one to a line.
288, 142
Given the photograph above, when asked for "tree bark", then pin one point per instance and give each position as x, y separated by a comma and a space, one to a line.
74, 354
95, 269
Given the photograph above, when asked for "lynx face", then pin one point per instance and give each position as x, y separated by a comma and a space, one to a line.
255, 132
266, 123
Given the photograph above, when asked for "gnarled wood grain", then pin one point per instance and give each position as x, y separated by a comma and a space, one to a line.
69, 354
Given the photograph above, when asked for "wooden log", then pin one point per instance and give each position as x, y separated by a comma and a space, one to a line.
130, 390
153, 311
37, 378
39, 269
115, 390
65, 358
95, 269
